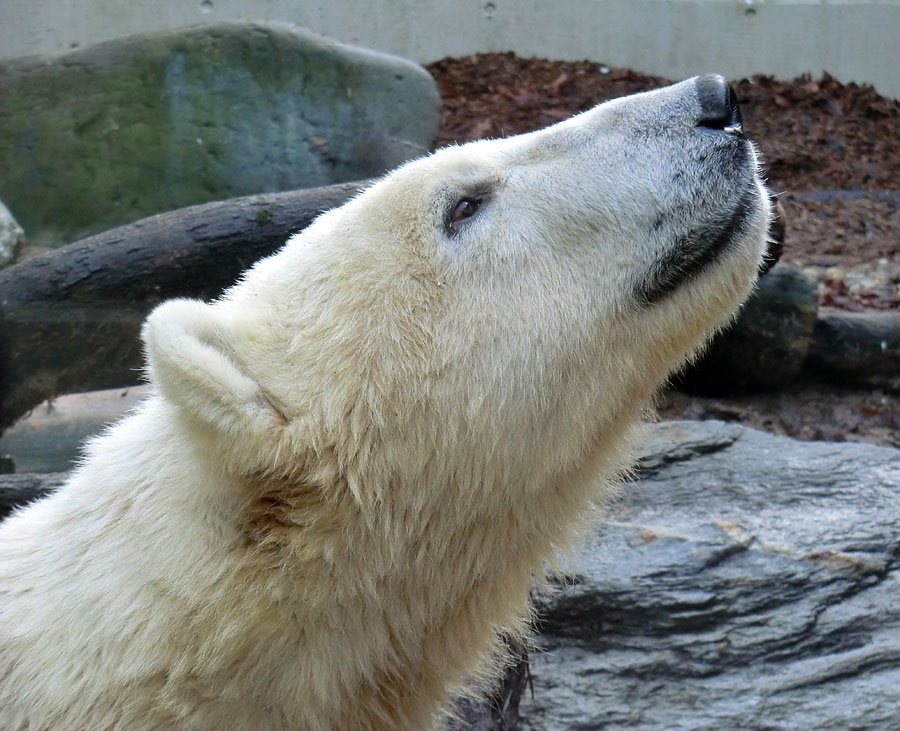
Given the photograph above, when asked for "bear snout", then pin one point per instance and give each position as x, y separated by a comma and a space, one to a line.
719, 108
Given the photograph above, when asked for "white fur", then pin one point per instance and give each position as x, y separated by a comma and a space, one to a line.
356, 460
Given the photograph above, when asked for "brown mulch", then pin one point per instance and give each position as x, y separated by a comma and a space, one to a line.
832, 153
811, 412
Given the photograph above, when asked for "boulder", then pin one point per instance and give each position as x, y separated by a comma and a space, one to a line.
115, 132
11, 237
744, 581
767, 345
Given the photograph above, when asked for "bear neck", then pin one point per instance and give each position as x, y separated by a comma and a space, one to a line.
440, 579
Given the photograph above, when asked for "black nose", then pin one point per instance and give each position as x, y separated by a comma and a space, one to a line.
718, 104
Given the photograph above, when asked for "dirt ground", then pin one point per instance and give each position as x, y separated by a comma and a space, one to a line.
832, 156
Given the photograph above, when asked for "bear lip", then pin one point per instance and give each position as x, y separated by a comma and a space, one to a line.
696, 250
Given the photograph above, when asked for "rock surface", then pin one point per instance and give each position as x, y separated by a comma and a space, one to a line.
11, 237
745, 581
108, 134
767, 345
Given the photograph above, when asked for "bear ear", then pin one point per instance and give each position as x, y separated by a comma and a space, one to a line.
191, 359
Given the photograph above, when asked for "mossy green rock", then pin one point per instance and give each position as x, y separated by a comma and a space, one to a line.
105, 135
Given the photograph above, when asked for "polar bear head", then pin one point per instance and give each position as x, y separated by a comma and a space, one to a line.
485, 316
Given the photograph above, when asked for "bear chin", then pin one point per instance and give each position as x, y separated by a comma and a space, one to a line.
698, 249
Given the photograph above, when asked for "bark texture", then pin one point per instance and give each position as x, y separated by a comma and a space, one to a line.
69, 320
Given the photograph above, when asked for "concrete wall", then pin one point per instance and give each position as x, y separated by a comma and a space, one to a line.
854, 40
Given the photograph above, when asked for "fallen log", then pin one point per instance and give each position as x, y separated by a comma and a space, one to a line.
69, 320
856, 349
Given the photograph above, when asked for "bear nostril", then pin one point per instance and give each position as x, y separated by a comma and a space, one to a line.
719, 107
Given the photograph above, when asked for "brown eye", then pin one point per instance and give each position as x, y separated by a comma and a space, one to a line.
464, 209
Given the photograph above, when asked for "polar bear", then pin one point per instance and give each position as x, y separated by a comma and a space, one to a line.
355, 461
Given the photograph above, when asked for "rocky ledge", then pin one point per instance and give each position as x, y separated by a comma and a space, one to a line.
743, 581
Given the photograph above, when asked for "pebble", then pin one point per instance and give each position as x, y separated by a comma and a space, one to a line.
875, 283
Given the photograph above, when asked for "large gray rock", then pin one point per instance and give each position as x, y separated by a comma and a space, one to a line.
767, 344
108, 134
746, 581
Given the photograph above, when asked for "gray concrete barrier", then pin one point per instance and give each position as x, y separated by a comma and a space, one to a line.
672, 38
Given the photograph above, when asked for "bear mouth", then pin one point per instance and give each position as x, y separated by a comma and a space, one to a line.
696, 250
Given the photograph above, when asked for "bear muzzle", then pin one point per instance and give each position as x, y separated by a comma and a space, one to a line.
728, 189
719, 108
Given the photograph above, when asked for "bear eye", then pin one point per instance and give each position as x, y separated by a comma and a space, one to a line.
463, 210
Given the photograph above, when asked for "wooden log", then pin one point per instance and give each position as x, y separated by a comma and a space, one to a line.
69, 320
856, 349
